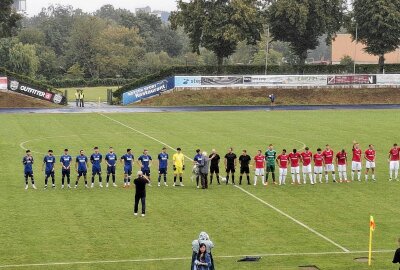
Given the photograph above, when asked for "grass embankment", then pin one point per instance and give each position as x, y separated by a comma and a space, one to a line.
234, 96
13, 100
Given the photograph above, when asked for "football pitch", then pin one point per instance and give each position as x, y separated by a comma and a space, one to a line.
326, 225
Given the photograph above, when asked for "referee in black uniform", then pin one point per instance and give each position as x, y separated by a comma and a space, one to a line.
214, 166
244, 160
230, 165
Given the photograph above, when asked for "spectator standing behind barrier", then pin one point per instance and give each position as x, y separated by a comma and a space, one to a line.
203, 239
81, 99
77, 98
204, 167
396, 258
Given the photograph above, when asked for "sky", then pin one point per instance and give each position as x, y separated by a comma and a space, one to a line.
35, 6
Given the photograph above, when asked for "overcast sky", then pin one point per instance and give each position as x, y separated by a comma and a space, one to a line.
35, 6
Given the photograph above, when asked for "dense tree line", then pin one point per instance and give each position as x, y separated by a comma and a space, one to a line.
63, 42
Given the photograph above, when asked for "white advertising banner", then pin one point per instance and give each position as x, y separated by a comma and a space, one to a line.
285, 80
388, 79
3, 83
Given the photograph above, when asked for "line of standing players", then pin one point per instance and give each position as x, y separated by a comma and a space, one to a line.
323, 163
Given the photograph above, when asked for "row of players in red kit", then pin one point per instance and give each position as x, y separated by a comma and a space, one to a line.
324, 162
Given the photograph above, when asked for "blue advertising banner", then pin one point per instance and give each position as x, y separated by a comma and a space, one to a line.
147, 91
187, 81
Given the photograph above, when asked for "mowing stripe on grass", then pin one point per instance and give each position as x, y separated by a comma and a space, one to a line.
188, 258
248, 193
294, 220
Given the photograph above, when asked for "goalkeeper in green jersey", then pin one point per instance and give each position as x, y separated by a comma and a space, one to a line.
270, 157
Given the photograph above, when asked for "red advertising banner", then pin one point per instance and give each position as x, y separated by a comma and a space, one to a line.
351, 79
3, 83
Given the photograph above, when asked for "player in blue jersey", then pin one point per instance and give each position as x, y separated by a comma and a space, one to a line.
111, 161
81, 167
197, 160
66, 161
144, 162
96, 158
28, 170
48, 166
127, 159
162, 166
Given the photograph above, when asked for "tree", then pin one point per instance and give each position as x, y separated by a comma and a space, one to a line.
218, 25
302, 22
23, 59
83, 41
119, 51
9, 19
378, 26
75, 72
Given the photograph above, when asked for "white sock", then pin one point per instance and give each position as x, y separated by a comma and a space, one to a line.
315, 177
345, 176
298, 178
366, 177
359, 176
340, 176
255, 180
352, 175
304, 178
396, 173
373, 177
281, 179
390, 174
320, 177
293, 178
326, 177
311, 178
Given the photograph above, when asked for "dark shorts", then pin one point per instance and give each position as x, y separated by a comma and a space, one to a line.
65, 172
270, 168
28, 174
110, 169
214, 169
146, 172
230, 169
162, 171
82, 173
128, 170
48, 174
245, 170
96, 171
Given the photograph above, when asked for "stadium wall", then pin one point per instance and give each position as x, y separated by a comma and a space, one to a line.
256, 81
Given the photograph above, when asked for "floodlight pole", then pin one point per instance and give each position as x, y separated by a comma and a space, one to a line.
355, 51
266, 53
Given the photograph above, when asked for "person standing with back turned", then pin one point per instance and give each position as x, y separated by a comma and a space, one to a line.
140, 195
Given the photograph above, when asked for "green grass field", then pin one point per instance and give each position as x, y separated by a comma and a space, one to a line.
96, 226
91, 93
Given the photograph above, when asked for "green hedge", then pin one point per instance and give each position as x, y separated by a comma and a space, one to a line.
65, 83
251, 70
29, 80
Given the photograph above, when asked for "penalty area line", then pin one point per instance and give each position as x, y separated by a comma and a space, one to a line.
294, 220
186, 258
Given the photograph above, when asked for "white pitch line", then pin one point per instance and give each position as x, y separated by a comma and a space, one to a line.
188, 258
294, 220
248, 193
142, 133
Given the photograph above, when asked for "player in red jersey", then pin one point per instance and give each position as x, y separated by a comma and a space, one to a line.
370, 156
394, 156
294, 160
318, 163
341, 161
282, 161
259, 161
306, 158
328, 161
356, 161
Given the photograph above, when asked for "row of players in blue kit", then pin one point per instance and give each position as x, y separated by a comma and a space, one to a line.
82, 165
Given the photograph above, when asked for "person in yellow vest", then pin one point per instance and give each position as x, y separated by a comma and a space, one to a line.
179, 165
81, 98
77, 98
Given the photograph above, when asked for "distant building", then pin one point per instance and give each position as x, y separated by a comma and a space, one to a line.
143, 10
163, 15
20, 5
343, 45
